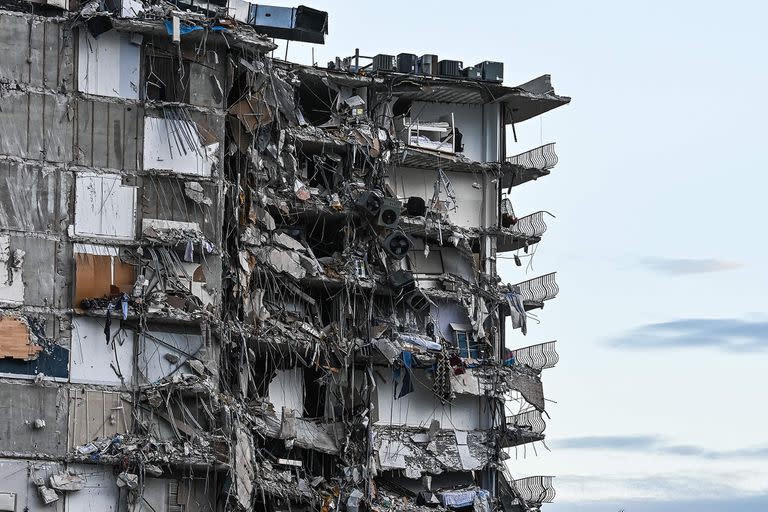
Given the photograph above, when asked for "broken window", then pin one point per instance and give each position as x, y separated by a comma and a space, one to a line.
165, 77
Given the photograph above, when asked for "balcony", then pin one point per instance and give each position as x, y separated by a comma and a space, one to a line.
527, 166
537, 290
526, 231
523, 494
538, 357
523, 428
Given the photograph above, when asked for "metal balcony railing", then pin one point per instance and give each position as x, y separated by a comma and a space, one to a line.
534, 490
538, 357
538, 289
530, 226
542, 158
527, 422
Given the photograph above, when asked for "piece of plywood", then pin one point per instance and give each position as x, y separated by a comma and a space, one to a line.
15, 340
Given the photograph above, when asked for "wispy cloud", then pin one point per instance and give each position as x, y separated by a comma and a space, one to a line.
686, 266
657, 445
731, 334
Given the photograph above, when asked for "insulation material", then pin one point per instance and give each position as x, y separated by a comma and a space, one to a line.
177, 145
29, 200
11, 265
20, 406
287, 390
99, 272
104, 207
109, 64
153, 365
16, 339
93, 360
95, 414
36, 126
35, 52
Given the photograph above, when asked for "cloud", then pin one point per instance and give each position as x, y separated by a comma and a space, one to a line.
728, 334
741, 503
686, 266
656, 445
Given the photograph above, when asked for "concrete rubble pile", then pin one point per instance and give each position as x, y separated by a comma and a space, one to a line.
234, 283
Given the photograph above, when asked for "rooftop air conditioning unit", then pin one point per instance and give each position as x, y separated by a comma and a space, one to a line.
383, 62
427, 65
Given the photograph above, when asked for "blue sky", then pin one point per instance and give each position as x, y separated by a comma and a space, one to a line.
659, 195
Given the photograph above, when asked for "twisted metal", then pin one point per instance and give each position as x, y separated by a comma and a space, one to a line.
538, 357
539, 288
542, 157
530, 421
532, 225
535, 490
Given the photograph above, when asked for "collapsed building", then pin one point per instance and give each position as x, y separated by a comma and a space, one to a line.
232, 282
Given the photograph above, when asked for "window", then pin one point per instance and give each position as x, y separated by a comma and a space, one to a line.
465, 342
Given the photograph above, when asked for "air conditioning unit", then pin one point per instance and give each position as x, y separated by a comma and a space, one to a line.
406, 63
416, 206
397, 245
492, 71
450, 67
370, 202
472, 72
389, 213
427, 65
383, 62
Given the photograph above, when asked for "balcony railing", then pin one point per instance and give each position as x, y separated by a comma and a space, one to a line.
534, 490
538, 357
530, 226
527, 422
535, 291
541, 158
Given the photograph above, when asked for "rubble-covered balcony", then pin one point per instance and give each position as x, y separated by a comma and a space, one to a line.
522, 428
521, 233
525, 494
529, 165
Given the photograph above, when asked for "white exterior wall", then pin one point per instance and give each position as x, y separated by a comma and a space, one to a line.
287, 390
108, 65
479, 125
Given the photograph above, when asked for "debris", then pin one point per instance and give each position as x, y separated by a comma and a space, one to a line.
67, 481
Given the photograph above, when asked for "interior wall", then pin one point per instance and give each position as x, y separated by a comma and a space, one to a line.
479, 125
